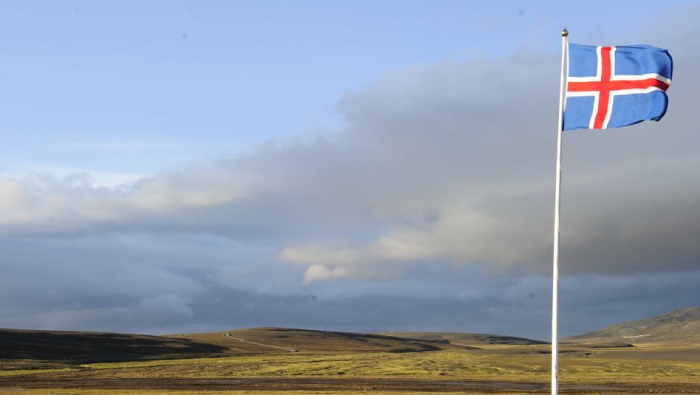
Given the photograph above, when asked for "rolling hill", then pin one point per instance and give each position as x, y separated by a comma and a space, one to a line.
678, 326
284, 340
88, 347
276, 360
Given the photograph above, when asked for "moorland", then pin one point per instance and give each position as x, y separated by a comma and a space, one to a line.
657, 355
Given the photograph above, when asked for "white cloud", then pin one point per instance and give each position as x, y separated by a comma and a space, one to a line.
318, 272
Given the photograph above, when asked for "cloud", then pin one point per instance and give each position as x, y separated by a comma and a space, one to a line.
478, 183
438, 299
447, 162
321, 272
167, 304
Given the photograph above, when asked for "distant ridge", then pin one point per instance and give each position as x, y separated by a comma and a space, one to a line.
464, 339
681, 325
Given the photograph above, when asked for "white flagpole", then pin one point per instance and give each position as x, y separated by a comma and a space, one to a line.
555, 261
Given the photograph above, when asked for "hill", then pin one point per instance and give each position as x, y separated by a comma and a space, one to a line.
88, 347
281, 340
681, 325
464, 339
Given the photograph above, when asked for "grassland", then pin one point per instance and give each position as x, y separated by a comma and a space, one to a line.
273, 361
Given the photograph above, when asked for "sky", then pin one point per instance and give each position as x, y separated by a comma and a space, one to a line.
182, 166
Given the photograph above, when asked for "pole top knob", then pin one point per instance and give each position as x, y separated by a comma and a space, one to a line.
564, 33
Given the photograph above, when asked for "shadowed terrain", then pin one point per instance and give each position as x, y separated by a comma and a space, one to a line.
84, 347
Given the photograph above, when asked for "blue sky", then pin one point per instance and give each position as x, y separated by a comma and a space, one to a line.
175, 166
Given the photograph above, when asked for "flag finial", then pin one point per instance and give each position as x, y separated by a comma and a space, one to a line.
564, 33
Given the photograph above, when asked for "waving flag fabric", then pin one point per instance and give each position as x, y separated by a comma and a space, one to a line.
611, 87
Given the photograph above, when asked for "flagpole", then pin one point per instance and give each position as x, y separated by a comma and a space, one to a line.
555, 260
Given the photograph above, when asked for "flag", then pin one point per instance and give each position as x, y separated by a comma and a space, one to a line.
611, 87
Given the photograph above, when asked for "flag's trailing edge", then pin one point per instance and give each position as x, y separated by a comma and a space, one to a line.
611, 87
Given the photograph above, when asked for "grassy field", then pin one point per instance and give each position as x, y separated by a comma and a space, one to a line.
272, 361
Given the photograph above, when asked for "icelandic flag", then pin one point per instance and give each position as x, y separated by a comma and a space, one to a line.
611, 87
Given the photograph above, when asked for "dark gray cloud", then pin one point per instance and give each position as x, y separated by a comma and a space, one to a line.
429, 208
177, 293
